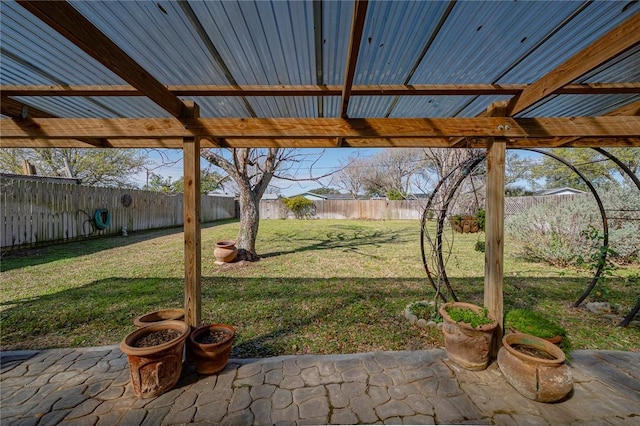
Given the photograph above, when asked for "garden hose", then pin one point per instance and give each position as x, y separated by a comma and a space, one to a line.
102, 218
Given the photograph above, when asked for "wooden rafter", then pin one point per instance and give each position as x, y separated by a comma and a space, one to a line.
176, 143
322, 90
612, 44
18, 110
357, 28
65, 19
314, 128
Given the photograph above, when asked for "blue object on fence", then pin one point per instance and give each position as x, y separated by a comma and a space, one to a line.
102, 218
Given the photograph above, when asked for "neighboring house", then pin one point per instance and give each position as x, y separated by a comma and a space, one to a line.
50, 179
560, 191
270, 197
314, 196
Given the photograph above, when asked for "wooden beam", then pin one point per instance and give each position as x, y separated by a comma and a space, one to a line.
318, 90
321, 128
615, 42
65, 19
611, 142
494, 231
357, 28
192, 237
18, 110
15, 109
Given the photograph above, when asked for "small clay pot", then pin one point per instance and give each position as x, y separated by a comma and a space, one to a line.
539, 379
225, 251
211, 358
155, 369
157, 316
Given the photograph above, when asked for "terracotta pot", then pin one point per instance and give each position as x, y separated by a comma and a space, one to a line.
543, 380
157, 316
467, 346
225, 251
155, 369
211, 358
556, 340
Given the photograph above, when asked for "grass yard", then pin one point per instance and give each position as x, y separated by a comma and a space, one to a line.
322, 286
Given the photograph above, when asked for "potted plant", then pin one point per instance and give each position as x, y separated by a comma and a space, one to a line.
156, 316
468, 331
531, 322
535, 367
210, 347
155, 353
225, 251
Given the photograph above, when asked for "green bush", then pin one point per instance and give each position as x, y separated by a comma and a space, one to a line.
301, 207
555, 233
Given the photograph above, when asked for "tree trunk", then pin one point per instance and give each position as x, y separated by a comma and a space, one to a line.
249, 221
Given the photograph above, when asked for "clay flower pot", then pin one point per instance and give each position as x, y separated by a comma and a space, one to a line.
225, 251
157, 316
155, 369
535, 377
211, 358
465, 345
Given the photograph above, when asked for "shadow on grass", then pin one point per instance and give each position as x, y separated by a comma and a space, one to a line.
21, 258
273, 316
337, 237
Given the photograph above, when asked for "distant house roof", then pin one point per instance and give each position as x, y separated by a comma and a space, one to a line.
35, 178
270, 196
560, 191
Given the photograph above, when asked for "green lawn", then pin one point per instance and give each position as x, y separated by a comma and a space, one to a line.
322, 286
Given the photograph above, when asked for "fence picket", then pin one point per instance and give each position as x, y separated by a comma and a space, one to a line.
37, 211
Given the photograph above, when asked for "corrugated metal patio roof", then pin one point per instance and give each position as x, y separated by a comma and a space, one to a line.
308, 44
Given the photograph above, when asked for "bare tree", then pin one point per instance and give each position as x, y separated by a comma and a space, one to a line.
252, 170
351, 176
394, 171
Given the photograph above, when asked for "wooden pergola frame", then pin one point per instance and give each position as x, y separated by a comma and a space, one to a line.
496, 130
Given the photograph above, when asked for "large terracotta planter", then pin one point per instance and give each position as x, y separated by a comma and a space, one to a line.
467, 346
157, 316
211, 358
155, 369
225, 251
543, 380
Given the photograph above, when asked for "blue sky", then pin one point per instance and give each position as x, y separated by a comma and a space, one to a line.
329, 161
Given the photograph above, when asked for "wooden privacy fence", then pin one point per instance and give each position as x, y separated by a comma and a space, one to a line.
39, 211
388, 210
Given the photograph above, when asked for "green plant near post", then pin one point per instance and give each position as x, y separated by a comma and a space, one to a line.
532, 322
474, 319
301, 207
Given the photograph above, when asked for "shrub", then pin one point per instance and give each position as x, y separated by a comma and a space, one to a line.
301, 207
556, 233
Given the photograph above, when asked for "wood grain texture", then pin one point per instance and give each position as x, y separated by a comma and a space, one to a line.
494, 239
615, 42
322, 128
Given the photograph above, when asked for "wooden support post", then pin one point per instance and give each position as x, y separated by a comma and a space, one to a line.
494, 228
192, 248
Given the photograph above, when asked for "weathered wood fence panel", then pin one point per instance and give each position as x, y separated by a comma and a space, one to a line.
390, 210
349, 209
35, 212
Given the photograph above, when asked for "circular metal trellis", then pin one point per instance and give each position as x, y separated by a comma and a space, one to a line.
467, 168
